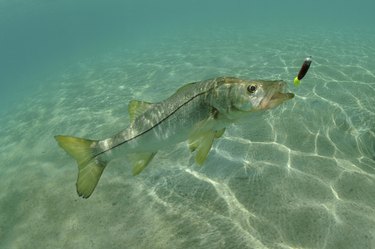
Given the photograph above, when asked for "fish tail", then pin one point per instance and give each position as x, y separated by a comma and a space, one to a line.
90, 166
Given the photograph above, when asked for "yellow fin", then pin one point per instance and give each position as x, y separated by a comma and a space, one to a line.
184, 87
140, 161
136, 108
193, 144
199, 132
219, 133
204, 147
88, 177
90, 168
195, 141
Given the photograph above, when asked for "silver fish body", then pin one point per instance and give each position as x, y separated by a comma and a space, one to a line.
198, 112
164, 123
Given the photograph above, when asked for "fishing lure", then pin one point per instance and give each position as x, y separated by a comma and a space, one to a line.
302, 72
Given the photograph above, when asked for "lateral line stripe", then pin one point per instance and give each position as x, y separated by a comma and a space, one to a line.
161, 121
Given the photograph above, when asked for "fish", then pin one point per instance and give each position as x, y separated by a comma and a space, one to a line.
198, 113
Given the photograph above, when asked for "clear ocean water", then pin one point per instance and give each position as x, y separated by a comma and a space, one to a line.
299, 176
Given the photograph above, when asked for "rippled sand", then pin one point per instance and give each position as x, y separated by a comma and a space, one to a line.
299, 176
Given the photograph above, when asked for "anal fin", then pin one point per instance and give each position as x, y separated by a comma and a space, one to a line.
219, 133
140, 161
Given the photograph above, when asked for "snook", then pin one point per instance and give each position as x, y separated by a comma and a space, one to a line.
198, 112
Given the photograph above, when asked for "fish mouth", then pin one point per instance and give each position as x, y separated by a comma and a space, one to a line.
276, 96
281, 96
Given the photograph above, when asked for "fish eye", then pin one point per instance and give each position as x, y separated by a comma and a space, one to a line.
251, 88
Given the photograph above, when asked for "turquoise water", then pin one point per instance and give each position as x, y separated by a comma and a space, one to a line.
299, 176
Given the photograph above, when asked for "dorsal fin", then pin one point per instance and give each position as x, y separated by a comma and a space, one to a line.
136, 108
184, 87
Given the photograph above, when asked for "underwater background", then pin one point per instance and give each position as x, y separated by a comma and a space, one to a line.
299, 176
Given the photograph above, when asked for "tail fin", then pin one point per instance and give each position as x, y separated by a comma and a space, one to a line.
90, 168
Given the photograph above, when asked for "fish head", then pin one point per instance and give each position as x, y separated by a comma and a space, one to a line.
259, 95
253, 95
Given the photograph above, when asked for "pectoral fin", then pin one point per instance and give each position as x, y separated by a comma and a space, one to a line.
194, 143
200, 131
140, 161
202, 137
202, 144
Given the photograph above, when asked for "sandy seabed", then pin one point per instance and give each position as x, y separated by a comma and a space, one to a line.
299, 176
